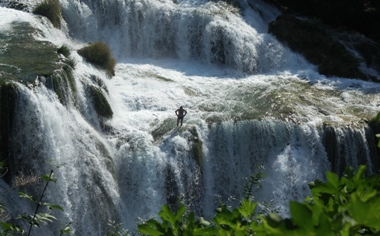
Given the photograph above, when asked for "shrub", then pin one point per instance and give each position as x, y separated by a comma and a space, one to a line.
50, 9
100, 55
346, 206
64, 50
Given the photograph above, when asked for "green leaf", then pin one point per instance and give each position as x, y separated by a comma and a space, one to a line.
204, 222
360, 173
66, 229
5, 225
167, 215
24, 195
49, 178
150, 228
366, 213
247, 208
301, 215
332, 178
180, 212
51, 206
228, 218
11, 227
44, 218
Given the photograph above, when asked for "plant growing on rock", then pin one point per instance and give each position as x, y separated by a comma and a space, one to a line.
100, 55
64, 50
50, 9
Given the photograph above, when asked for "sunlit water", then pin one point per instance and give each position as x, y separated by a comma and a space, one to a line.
249, 100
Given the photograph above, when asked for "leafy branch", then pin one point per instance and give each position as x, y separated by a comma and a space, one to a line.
37, 218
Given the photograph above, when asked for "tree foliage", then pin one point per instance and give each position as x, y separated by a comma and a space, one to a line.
349, 205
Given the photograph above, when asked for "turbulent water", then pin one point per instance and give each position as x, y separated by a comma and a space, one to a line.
251, 102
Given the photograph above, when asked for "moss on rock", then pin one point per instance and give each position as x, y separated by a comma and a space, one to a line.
26, 58
63, 83
163, 128
197, 148
101, 105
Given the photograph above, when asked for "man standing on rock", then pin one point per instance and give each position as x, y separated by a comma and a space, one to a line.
180, 114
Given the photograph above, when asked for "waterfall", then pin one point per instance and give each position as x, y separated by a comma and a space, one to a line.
251, 102
207, 32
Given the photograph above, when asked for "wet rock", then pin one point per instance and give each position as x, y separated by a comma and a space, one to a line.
352, 15
318, 47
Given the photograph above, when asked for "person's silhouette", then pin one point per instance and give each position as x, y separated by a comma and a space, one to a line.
180, 114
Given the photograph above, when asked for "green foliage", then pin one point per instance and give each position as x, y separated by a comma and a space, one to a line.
346, 206
10, 229
253, 183
100, 55
50, 9
239, 221
116, 229
64, 50
66, 229
37, 218
173, 223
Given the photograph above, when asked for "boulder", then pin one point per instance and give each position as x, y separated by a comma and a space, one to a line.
362, 16
317, 46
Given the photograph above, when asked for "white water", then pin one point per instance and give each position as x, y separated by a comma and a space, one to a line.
166, 60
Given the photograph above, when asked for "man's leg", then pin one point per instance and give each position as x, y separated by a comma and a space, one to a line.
177, 121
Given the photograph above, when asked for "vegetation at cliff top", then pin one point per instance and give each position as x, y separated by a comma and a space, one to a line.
100, 55
50, 9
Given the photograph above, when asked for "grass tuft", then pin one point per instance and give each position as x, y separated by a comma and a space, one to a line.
23, 180
50, 9
64, 50
100, 55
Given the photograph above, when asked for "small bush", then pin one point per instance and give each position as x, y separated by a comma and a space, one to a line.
50, 9
64, 51
100, 55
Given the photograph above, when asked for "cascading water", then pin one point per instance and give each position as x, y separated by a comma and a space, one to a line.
218, 62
